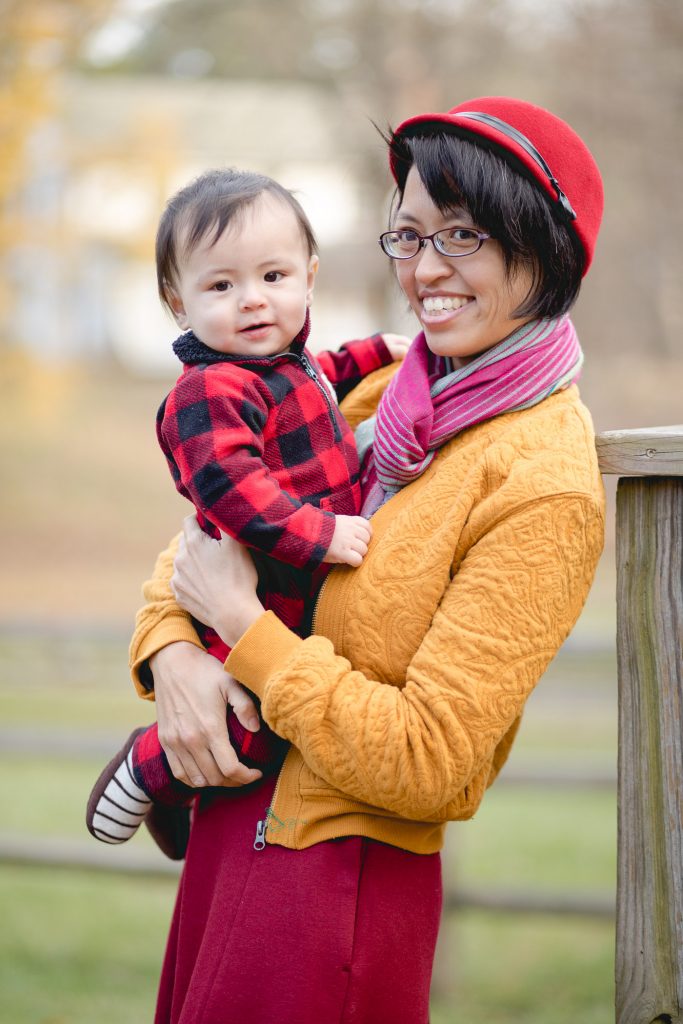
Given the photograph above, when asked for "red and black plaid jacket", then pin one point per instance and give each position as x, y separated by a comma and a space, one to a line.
260, 448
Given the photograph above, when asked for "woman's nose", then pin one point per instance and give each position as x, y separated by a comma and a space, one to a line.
430, 265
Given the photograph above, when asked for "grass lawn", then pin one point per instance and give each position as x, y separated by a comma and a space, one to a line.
79, 947
529, 970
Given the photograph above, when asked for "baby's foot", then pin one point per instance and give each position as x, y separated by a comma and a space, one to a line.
117, 805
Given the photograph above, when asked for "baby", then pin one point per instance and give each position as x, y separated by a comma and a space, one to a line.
252, 435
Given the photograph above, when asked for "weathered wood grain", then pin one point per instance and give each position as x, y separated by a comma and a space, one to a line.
649, 967
649, 451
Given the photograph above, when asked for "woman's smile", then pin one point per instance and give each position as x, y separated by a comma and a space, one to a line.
435, 308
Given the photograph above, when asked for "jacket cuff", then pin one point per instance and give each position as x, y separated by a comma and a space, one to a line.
369, 353
263, 650
170, 630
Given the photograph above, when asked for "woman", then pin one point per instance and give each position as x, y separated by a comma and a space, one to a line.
487, 513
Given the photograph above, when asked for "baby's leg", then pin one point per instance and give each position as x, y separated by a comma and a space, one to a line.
138, 786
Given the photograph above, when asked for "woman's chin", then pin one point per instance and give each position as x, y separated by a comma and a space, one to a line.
441, 345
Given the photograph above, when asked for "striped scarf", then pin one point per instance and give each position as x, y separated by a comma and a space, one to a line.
425, 405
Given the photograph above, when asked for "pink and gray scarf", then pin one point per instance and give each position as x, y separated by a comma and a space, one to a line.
426, 404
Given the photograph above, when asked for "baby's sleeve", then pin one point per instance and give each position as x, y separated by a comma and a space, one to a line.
354, 360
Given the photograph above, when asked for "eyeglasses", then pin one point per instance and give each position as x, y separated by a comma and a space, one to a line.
406, 243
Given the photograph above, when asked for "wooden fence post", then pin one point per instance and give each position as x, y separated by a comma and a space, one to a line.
649, 546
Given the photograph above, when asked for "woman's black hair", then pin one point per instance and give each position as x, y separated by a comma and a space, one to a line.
505, 203
206, 206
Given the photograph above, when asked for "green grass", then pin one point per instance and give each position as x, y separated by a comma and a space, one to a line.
527, 970
541, 840
54, 681
78, 947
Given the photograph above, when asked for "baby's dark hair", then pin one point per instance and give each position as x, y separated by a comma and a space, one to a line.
205, 207
505, 202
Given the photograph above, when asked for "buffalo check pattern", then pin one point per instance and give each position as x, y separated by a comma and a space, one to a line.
263, 453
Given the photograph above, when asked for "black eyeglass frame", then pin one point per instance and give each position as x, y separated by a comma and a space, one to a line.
433, 238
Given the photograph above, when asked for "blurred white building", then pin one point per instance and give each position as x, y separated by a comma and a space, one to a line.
100, 169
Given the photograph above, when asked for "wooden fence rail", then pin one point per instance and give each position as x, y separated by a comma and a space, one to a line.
63, 854
649, 545
73, 855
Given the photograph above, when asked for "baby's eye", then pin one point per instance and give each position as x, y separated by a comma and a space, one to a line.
273, 276
221, 286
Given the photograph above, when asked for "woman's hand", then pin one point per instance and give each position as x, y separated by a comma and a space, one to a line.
216, 582
192, 691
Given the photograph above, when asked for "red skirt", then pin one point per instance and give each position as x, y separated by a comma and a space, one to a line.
340, 933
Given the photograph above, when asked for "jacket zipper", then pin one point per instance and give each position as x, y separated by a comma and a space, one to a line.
260, 840
310, 371
262, 825
314, 617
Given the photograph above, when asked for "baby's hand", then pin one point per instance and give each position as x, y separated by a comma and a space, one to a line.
349, 541
397, 344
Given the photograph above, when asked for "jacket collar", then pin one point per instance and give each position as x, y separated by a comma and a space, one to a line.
191, 351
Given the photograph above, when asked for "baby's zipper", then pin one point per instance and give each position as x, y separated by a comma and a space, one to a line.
310, 370
261, 826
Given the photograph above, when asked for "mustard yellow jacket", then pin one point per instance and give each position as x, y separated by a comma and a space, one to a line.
402, 707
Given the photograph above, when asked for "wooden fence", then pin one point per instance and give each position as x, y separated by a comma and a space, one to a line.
81, 855
649, 539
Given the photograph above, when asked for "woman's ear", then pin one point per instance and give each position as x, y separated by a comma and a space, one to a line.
313, 265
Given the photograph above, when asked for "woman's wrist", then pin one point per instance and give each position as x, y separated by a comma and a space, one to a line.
215, 582
238, 620
171, 654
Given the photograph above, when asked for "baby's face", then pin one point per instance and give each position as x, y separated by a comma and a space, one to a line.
247, 292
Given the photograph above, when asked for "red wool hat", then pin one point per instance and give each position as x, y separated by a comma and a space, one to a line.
537, 144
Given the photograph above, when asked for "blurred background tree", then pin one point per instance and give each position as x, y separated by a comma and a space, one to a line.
106, 106
40, 41
614, 68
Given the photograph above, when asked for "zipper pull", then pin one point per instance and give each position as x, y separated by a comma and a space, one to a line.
308, 367
260, 841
